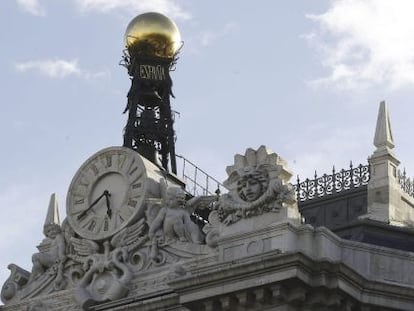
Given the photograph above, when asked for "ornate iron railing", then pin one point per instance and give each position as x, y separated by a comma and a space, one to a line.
198, 182
406, 183
334, 183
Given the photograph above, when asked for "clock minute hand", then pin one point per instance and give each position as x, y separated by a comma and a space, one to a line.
92, 205
108, 203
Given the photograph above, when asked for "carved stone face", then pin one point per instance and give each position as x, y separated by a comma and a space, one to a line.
51, 231
251, 186
251, 189
175, 197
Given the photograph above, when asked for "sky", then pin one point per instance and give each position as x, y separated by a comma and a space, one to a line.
305, 78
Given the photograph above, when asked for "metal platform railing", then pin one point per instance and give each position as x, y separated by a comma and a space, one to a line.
198, 182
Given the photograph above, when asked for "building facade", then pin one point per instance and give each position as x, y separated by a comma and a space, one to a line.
136, 238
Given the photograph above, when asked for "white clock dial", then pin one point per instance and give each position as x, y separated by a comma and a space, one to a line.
107, 193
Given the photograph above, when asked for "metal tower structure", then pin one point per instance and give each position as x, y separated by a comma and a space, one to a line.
152, 43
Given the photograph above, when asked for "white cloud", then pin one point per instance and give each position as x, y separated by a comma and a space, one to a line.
209, 37
134, 7
366, 43
203, 39
57, 68
32, 6
167, 7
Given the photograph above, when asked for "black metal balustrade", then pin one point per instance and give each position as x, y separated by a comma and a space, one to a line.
406, 183
199, 183
337, 182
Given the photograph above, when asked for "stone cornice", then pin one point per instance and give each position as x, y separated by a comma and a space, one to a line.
275, 268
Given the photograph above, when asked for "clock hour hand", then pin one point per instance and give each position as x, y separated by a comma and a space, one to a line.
92, 205
108, 203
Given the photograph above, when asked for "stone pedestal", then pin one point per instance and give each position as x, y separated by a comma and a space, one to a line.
286, 214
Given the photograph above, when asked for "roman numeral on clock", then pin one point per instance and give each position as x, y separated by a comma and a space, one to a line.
132, 203
80, 201
133, 170
94, 169
106, 225
108, 160
92, 225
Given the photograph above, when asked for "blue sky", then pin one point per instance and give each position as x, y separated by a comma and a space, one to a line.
303, 77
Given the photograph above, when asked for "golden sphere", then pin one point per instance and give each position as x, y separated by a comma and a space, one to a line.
152, 34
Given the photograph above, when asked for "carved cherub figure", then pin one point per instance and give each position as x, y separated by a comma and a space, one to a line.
53, 253
174, 220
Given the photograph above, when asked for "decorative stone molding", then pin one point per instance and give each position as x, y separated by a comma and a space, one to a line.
259, 194
16, 281
101, 270
300, 267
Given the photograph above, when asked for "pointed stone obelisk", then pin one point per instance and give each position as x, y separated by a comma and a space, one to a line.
52, 216
384, 192
383, 139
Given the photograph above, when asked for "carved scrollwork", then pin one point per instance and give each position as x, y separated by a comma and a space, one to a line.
107, 276
138, 259
17, 280
131, 237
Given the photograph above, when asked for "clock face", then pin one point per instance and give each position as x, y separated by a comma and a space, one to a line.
107, 193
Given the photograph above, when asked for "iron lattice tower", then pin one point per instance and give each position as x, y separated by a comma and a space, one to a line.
149, 129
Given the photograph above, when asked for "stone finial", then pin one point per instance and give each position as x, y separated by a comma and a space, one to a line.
52, 216
385, 200
383, 133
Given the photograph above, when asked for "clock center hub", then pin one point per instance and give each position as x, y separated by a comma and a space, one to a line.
114, 186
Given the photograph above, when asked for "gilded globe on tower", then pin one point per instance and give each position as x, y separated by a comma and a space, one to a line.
152, 34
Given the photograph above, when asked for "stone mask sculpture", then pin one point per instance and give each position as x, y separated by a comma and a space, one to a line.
257, 184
